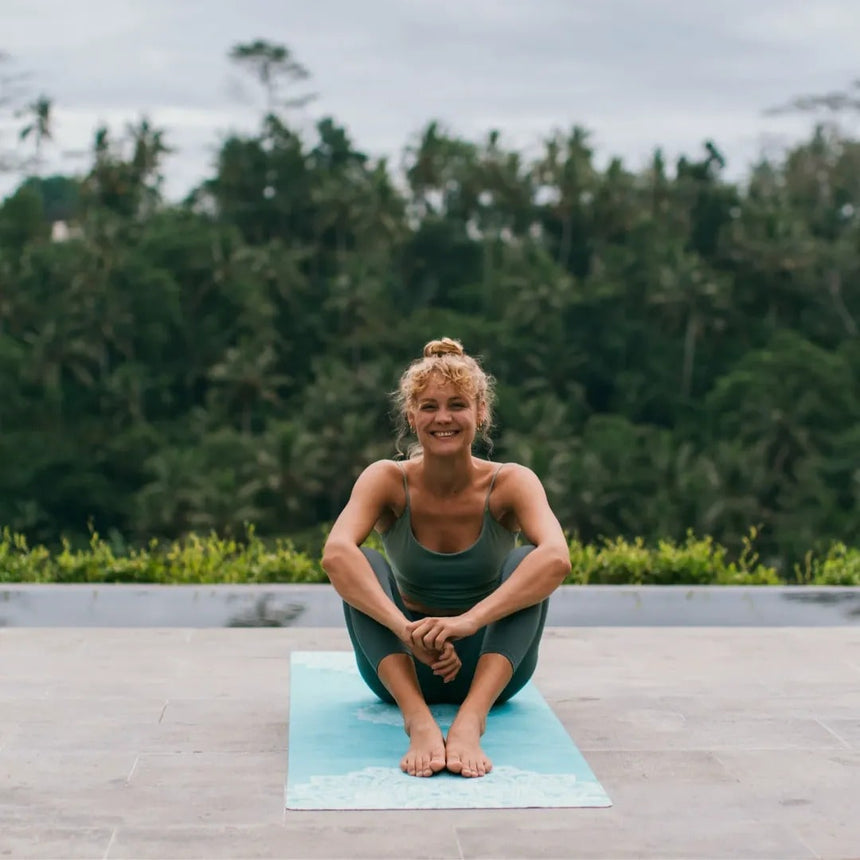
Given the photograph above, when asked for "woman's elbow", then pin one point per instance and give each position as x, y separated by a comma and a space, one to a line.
334, 553
561, 566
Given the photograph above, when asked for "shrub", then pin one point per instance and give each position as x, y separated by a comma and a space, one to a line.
839, 566
195, 559
213, 559
696, 561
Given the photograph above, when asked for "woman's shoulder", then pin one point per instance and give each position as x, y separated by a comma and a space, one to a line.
509, 472
387, 482
387, 478
512, 480
382, 471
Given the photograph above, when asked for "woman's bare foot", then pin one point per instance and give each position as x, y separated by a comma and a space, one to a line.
426, 753
463, 747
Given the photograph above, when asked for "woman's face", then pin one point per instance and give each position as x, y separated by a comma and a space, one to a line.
445, 419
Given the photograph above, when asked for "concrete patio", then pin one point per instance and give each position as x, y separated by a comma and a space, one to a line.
171, 743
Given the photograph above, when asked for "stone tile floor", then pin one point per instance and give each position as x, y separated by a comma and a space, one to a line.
171, 743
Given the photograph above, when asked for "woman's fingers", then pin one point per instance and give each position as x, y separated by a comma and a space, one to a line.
428, 633
448, 674
431, 640
434, 633
448, 664
418, 630
437, 635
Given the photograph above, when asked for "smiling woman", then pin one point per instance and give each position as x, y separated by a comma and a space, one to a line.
454, 611
444, 378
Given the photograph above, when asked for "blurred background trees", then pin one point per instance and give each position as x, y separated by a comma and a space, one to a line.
673, 351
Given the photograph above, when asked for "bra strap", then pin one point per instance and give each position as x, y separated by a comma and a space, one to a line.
492, 483
405, 484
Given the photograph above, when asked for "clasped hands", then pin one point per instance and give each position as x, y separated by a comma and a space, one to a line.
431, 641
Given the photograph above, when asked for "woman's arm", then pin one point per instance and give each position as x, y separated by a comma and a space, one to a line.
347, 568
534, 579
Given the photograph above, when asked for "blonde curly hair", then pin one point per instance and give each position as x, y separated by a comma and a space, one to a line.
446, 359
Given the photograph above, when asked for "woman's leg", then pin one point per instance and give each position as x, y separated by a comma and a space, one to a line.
517, 637
508, 659
389, 670
372, 641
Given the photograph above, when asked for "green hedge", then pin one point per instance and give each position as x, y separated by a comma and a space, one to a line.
696, 561
212, 559
195, 559
840, 565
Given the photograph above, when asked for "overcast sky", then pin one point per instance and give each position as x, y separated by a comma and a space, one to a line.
637, 73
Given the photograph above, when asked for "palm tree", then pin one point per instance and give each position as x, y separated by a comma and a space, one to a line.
270, 62
567, 179
38, 127
694, 298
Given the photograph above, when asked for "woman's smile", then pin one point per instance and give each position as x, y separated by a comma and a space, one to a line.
444, 412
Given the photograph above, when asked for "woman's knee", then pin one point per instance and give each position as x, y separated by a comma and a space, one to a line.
513, 559
379, 564
375, 557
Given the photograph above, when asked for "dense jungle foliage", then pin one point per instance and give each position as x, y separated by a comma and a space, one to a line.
674, 351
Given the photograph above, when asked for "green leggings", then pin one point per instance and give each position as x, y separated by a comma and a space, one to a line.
516, 637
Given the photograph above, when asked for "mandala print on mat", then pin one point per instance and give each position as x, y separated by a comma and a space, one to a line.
389, 715
388, 788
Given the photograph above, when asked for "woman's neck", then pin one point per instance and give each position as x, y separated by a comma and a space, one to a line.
447, 476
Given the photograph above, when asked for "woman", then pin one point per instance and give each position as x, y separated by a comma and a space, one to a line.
456, 612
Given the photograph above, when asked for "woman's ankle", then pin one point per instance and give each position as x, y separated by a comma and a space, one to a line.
469, 716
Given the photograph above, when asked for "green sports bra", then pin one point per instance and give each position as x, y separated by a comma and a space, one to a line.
447, 580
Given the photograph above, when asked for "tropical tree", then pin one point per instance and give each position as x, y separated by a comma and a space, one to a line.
672, 350
273, 65
38, 128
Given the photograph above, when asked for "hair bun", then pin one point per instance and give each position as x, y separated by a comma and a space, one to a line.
444, 346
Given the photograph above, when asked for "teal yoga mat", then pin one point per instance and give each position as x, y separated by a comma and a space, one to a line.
345, 748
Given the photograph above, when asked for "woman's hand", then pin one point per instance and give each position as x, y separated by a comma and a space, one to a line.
427, 656
434, 632
444, 661
448, 664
